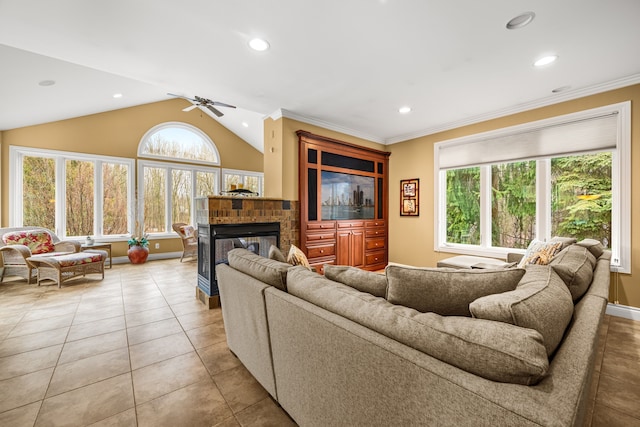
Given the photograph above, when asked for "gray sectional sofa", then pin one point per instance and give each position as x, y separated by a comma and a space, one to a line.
357, 352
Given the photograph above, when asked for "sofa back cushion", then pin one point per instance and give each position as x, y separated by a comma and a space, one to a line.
266, 270
575, 266
594, 246
446, 291
493, 350
541, 302
38, 241
362, 280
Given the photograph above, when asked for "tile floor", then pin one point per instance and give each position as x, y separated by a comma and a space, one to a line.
137, 348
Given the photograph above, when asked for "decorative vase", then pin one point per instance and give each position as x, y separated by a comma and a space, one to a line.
138, 254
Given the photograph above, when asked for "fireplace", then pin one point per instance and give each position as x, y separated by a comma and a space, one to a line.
216, 240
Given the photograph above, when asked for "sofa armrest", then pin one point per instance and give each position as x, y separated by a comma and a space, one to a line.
13, 251
514, 257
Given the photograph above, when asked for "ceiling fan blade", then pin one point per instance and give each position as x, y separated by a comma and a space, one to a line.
222, 104
181, 96
189, 108
214, 111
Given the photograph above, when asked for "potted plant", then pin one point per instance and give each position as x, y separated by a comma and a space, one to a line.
138, 248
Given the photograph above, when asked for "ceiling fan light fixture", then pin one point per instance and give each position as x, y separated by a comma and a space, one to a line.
545, 60
520, 21
259, 45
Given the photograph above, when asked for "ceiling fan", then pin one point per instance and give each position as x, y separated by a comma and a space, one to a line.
203, 103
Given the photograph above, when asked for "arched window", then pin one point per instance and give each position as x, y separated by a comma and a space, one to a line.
178, 141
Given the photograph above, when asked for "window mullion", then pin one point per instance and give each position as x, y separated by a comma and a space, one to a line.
543, 199
485, 206
61, 191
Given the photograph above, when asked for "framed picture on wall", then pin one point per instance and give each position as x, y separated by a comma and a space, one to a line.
409, 197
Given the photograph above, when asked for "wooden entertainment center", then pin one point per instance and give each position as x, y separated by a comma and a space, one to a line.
343, 195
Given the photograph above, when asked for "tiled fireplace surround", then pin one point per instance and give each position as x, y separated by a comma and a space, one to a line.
245, 210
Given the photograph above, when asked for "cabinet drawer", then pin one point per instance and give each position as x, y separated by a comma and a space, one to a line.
318, 237
324, 225
320, 251
375, 232
350, 224
375, 223
377, 243
376, 258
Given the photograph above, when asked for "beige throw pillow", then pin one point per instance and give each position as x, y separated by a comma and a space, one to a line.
362, 280
297, 257
541, 302
540, 252
446, 291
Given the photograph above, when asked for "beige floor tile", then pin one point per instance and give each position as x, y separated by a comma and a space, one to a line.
604, 416
199, 404
98, 327
30, 342
92, 303
229, 422
160, 349
30, 361
88, 404
87, 347
123, 419
145, 303
218, 358
200, 318
622, 396
188, 307
623, 343
205, 336
264, 413
22, 416
622, 368
148, 316
95, 315
620, 324
151, 331
239, 388
45, 313
25, 389
33, 326
10, 319
169, 375
70, 376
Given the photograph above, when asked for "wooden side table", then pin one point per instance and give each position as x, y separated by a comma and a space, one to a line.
104, 246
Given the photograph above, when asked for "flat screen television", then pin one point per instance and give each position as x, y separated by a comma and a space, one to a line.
347, 196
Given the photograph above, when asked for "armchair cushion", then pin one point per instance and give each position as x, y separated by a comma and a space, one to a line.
38, 241
188, 231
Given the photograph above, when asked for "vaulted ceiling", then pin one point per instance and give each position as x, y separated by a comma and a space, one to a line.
345, 65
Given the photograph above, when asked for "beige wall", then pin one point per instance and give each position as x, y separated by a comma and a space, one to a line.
411, 239
118, 133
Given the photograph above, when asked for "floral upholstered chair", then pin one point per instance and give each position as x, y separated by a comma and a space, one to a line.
189, 237
17, 244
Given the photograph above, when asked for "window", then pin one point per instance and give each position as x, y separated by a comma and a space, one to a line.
178, 141
72, 194
566, 176
235, 179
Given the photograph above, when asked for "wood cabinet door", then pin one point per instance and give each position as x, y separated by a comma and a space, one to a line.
343, 246
357, 248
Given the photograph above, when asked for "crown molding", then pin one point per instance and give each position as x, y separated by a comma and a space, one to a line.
519, 108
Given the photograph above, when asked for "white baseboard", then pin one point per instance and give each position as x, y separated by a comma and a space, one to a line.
625, 311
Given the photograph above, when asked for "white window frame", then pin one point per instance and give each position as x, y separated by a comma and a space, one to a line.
169, 167
620, 189
184, 126
244, 174
16, 156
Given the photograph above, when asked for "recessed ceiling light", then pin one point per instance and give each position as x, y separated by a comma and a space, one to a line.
521, 20
117, 95
47, 83
245, 124
404, 110
259, 44
546, 60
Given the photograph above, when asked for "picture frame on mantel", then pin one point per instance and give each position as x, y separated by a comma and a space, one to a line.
410, 197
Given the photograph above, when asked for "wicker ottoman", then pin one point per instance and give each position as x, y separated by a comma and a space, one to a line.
62, 268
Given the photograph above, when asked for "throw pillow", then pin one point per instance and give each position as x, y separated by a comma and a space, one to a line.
275, 253
38, 241
297, 257
575, 267
362, 280
446, 291
540, 252
541, 302
188, 231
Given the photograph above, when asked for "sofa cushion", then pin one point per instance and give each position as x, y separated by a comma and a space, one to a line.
188, 231
493, 350
276, 254
575, 266
541, 302
269, 271
362, 280
540, 252
594, 246
566, 241
38, 241
445, 291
